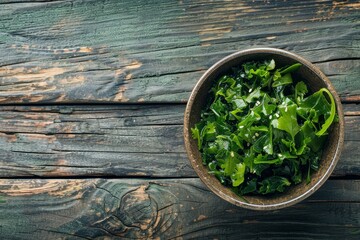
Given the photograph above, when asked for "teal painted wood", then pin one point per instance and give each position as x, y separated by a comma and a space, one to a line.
166, 209
136, 52
121, 51
114, 140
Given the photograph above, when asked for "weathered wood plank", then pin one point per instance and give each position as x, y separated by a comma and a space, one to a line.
120, 51
166, 209
93, 140
114, 140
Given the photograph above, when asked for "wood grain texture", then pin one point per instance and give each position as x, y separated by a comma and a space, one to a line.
114, 140
93, 140
166, 209
57, 52
120, 51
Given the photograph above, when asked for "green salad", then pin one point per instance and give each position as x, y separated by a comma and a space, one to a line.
262, 131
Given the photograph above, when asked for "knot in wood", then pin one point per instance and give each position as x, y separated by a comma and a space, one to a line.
137, 209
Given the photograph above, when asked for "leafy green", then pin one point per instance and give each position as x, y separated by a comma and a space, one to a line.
230, 163
330, 119
300, 91
288, 120
238, 176
273, 184
283, 80
291, 68
196, 135
262, 130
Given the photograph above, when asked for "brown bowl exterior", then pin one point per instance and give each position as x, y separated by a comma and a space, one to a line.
315, 80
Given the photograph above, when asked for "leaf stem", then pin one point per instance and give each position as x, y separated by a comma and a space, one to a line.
330, 119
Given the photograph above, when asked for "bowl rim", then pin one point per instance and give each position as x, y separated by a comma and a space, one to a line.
203, 176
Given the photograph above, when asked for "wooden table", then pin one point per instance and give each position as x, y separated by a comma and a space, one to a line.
92, 98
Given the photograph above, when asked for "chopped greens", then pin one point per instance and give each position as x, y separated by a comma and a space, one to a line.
262, 130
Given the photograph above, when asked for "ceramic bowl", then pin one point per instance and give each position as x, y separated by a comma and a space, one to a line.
315, 80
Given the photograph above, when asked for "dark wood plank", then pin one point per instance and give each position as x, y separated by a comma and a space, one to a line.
120, 51
351, 109
120, 140
117, 140
166, 209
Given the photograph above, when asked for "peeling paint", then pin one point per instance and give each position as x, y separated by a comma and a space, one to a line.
38, 136
85, 50
26, 74
221, 30
10, 138
201, 217
120, 95
134, 65
72, 80
59, 188
270, 37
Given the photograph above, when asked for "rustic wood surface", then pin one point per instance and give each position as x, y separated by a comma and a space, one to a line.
167, 209
134, 51
92, 96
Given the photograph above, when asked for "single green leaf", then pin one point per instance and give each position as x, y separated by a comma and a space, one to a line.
222, 142
300, 90
250, 186
263, 159
294, 166
286, 155
260, 143
291, 68
259, 168
249, 160
264, 106
229, 94
314, 162
264, 143
288, 120
259, 128
218, 108
276, 75
236, 114
196, 135
218, 93
211, 148
271, 65
209, 131
249, 119
330, 119
279, 93
255, 94
254, 168
212, 166
273, 184
222, 127
245, 134
283, 80
268, 146
314, 106
238, 176
309, 138
238, 103
235, 139
226, 82
230, 163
